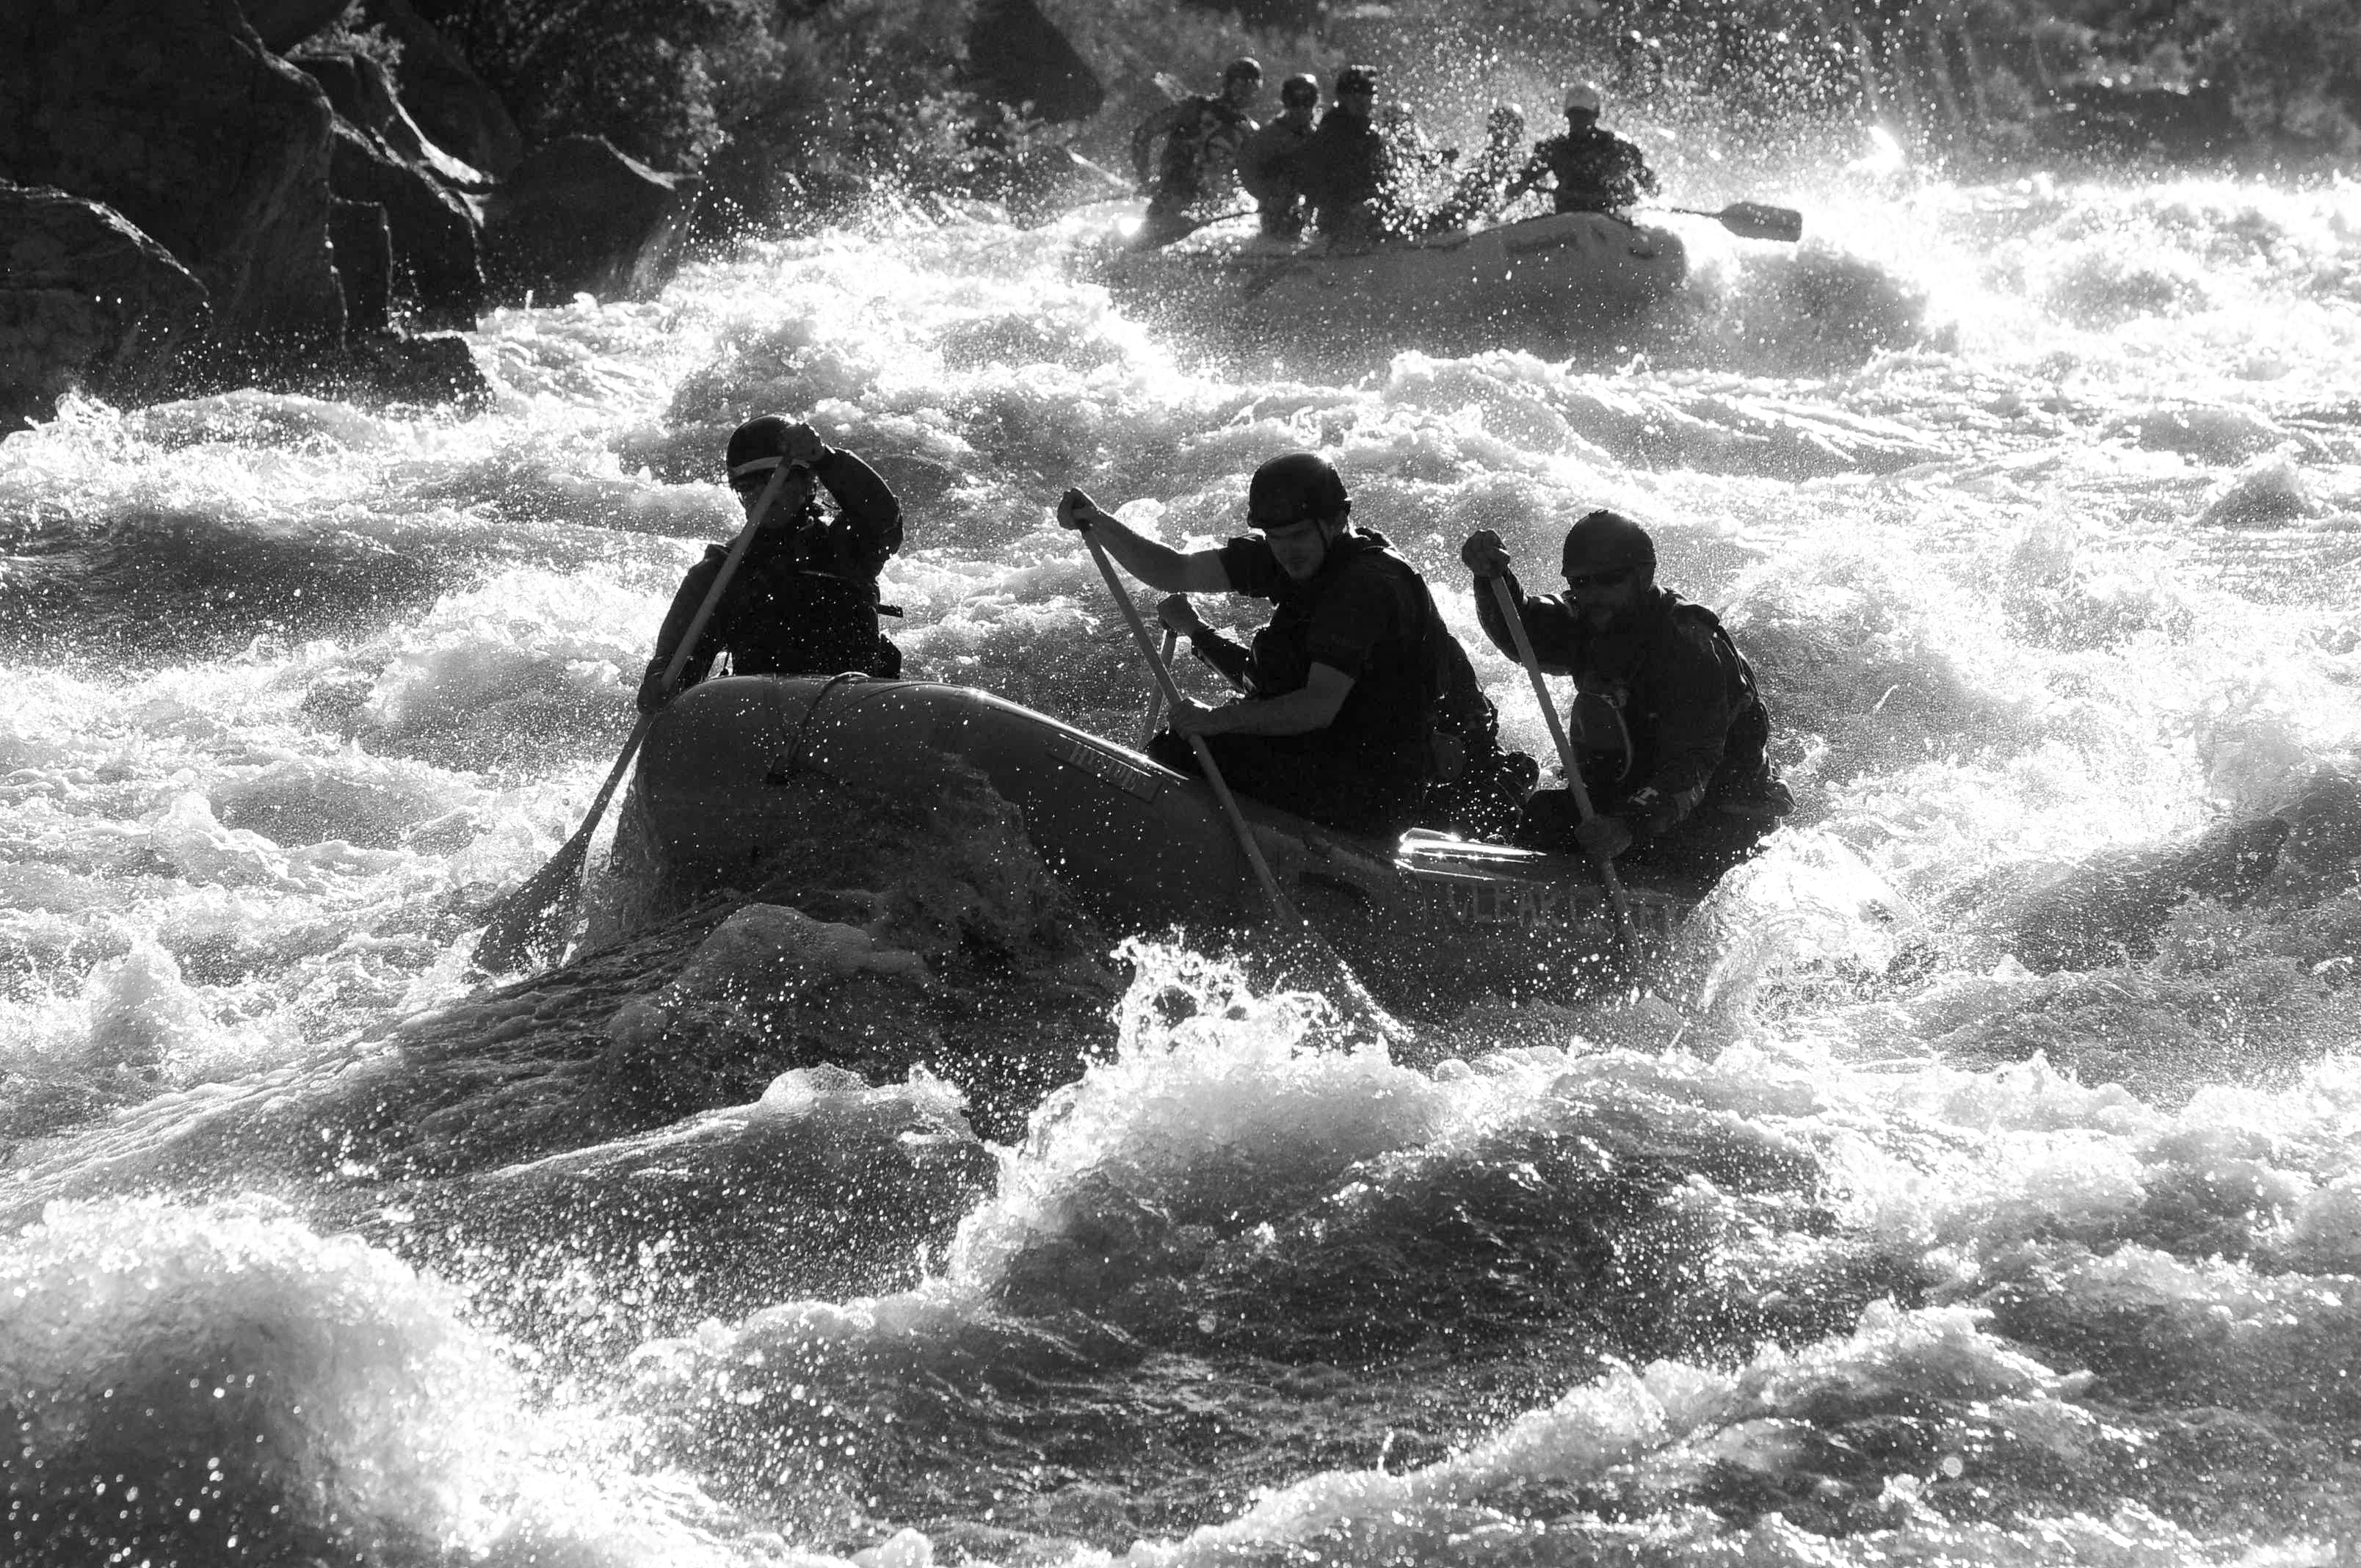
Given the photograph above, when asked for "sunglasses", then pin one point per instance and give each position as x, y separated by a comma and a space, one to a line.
1615, 578
754, 485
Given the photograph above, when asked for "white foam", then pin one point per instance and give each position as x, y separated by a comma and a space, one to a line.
343, 1397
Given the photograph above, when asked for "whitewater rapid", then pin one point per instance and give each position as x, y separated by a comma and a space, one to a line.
1968, 1189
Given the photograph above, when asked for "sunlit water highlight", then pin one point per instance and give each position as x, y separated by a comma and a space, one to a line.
1981, 1184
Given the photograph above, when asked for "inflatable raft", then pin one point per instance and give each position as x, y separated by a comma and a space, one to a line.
1145, 848
1554, 285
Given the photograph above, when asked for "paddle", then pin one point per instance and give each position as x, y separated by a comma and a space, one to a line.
1114, 183
539, 914
1624, 931
1140, 241
1754, 220
1356, 1000
1156, 693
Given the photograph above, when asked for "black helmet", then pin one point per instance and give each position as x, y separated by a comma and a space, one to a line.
1300, 91
1356, 78
1245, 65
1298, 487
1604, 541
756, 447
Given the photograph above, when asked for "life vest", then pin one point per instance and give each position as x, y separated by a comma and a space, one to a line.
1597, 171
1395, 700
1148, 140
797, 610
1616, 710
1181, 149
1266, 161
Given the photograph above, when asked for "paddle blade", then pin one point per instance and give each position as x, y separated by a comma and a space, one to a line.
1759, 220
536, 921
1300, 956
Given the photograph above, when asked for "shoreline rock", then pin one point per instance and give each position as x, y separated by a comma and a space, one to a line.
435, 260
172, 113
441, 91
580, 217
86, 300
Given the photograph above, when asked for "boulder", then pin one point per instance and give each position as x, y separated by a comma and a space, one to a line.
364, 95
364, 249
284, 24
173, 113
435, 264
433, 368
86, 301
446, 96
580, 217
1017, 55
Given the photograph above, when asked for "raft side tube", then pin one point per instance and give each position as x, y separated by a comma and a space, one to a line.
1564, 278
1142, 847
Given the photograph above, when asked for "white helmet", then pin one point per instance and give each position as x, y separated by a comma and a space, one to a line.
1582, 98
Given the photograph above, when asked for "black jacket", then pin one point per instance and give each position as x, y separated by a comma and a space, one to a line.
1596, 170
1676, 686
1267, 163
1368, 613
1183, 153
804, 601
1343, 167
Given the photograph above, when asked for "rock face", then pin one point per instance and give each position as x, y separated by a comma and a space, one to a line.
85, 301
429, 197
443, 92
364, 247
434, 367
579, 217
173, 113
361, 93
431, 230
1018, 56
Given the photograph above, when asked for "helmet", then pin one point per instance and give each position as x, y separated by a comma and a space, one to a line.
1246, 66
757, 447
1297, 487
1299, 91
1356, 78
1603, 541
1582, 98
1505, 122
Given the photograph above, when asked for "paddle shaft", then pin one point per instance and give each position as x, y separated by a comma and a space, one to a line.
1171, 694
1217, 218
1754, 220
506, 932
738, 548
1192, 226
1155, 692
1511, 612
688, 640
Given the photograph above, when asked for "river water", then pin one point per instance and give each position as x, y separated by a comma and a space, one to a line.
1979, 1183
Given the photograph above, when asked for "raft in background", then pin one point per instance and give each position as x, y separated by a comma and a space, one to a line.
1432, 921
1554, 286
